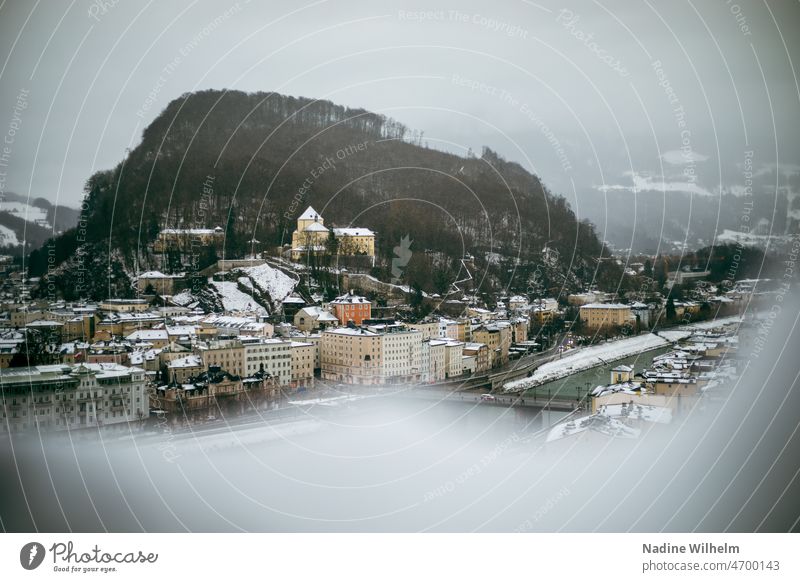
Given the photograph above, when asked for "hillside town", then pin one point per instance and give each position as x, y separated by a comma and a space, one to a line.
249, 339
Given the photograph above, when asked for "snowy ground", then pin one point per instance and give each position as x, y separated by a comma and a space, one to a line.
271, 280
7, 237
26, 212
586, 358
714, 323
329, 401
233, 299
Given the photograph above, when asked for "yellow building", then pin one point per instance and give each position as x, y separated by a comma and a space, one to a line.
597, 315
497, 338
303, 356
226, 354
312, 235
352, 355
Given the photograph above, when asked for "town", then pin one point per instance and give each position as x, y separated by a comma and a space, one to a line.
162, 357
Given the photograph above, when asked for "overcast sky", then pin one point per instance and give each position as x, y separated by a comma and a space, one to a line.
599, 94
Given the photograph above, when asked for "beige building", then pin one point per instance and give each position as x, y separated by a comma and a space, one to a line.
303, 354
429, 329
63, 397
402, 354
377, 355
621, 373
351, 356
454, 366
180, 370
519, 329
481, 354
225, 354
124, 305
497, 338
273, 356
598, 315
436, 361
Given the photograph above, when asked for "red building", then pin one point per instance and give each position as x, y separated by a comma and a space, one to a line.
351, 307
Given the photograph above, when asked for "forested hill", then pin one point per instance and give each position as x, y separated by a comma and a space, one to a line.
267, 157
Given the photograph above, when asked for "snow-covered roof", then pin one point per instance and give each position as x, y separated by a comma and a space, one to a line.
195, 231
353, 232
192, 361
293, 299
315, 227
348, 299
309, 214
148, 335
605, 306
352, 331
318, 313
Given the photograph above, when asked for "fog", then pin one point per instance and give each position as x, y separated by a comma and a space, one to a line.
387, 461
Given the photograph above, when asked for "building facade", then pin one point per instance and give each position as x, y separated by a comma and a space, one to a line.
72, 397
598, 315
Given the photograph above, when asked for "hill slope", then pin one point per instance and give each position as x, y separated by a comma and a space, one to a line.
251, 163
31, 221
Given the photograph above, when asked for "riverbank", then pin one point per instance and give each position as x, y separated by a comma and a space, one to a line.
582, 359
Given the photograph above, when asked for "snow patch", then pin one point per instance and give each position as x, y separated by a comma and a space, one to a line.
235, 300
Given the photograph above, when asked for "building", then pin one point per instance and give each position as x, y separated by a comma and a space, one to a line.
374, 355
159, 282
436, 360
226, 355
351, 308
497, 338
641, 312
682, 277
158, 338
312, 318
621, 373
233, 326
181, 370
272, 356
212, 391
184, 240
517, 302
481, 354
124, 305
579, 299
519, 329
352, 356
63, 397
312, 236
453, 362
599, 315
429, 329
303, 356
402, 354
123, 324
